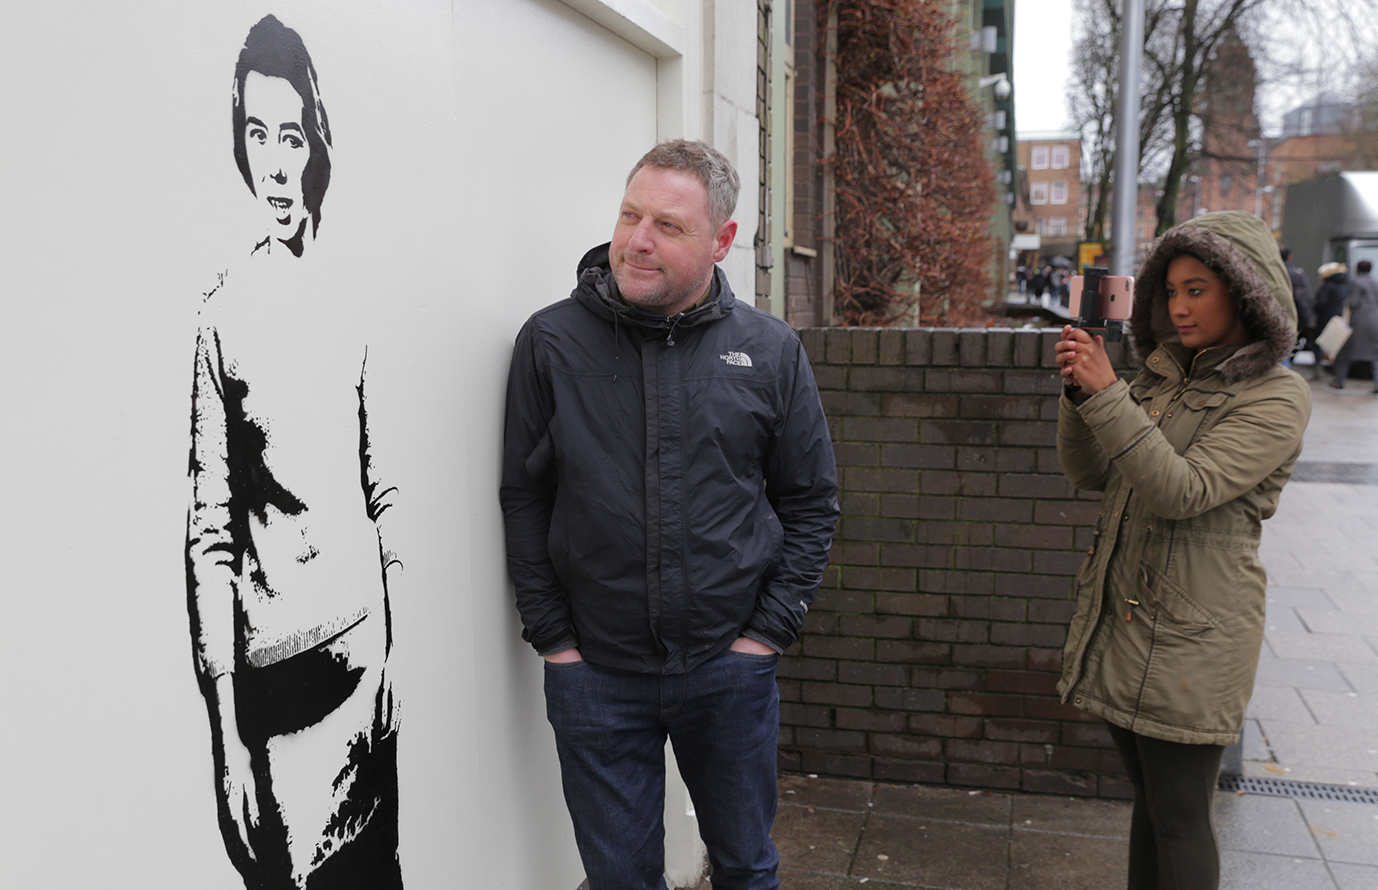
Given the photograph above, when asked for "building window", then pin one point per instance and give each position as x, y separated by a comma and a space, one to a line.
1226, 183
1062, 157
1059, 193
1057, 227
1040, 157
1039, 225
1038, 193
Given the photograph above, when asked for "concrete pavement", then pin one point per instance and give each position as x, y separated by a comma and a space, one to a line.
836, 834
1314, 715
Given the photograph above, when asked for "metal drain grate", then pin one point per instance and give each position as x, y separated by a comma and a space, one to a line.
1341, 473
1288, 788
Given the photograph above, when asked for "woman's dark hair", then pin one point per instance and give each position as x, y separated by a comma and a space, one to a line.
1364, 267
275, 50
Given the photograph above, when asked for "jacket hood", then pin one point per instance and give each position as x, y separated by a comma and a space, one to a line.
1238, 247
597, 291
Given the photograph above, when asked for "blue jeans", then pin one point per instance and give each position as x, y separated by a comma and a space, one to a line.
723, 719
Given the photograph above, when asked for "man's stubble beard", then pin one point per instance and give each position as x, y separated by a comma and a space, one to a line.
660, 296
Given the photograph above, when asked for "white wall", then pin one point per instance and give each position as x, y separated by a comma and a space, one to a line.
731, 125
480, 149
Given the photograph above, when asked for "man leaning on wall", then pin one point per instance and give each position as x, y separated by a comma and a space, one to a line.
670, 497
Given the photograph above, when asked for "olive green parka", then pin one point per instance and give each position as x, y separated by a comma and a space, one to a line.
1191, 456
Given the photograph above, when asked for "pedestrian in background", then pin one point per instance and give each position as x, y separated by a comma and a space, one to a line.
1330, 302
1191, 456
1040, 284
1362, 345
1301, 296
670, 496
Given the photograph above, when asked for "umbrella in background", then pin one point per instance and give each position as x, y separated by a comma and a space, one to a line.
1060, 262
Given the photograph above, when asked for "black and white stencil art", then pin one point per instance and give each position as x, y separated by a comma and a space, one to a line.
287, 573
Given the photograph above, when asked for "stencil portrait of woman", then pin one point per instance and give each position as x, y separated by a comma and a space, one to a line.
286, 569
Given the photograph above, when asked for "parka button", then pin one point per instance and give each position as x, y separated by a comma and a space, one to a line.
1155, 412
1154, 360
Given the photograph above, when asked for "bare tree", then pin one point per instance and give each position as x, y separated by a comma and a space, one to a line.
1305, 46
1094, 95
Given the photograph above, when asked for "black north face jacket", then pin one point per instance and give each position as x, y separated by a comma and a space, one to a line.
668, 482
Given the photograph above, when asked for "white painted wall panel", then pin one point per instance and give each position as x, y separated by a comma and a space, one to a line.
479, 148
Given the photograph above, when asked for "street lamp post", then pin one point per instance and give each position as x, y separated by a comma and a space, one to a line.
1259, 188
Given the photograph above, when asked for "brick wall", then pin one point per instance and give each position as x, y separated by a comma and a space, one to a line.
932, 652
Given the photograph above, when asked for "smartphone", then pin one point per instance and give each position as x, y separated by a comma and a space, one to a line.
1101, 302
1116, 296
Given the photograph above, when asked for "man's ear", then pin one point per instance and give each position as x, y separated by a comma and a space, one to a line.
723, 238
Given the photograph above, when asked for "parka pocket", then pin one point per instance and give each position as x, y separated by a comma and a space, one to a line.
1165, 599
1198, 400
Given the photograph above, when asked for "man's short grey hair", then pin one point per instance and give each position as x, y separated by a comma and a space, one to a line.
707, 164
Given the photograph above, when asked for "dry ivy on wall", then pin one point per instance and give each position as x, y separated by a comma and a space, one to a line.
914, 187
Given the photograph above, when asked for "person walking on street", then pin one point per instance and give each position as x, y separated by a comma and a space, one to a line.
1191, 455
1330, 302
1037, 285
670, 496
1301, 296
1362, 345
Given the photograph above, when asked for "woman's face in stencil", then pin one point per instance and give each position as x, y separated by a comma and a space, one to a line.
277, 150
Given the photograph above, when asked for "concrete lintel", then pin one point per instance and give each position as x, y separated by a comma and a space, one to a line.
638, 22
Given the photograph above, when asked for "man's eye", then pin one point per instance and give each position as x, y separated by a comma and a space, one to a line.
258, 134
291, 140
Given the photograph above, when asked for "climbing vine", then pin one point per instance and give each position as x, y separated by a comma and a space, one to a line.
913, 185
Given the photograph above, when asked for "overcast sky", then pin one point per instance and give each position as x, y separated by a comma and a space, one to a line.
1042, 47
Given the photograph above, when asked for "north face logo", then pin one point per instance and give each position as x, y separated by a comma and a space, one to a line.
740, 359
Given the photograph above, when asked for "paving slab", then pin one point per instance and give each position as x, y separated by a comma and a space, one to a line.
944, 804
1070, 815
1344, 709
1260, 871
1331, 747
1345, 832
1304, 772
1297, 597
1349, 621
1333, 553
1300, 673
1041, 861
1255, 742
1284, 620
1353, 597
962, 856
1361, 677
1293, 574
792, 879
1354, 877
1252, 823
1326, 647
1282, 703
817, 840
815, 791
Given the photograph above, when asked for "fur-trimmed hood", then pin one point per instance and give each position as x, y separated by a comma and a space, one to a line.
1239, 248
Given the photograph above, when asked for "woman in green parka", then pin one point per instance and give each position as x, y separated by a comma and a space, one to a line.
1191, 455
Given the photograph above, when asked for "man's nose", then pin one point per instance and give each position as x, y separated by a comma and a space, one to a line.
641, 237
